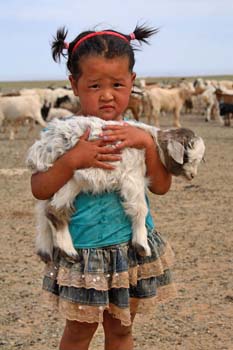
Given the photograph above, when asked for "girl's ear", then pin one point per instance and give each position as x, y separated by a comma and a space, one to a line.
74, 85
133, 77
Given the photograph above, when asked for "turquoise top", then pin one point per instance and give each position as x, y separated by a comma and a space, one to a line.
100, 220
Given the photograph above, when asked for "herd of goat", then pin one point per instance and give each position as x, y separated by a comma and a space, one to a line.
210, 98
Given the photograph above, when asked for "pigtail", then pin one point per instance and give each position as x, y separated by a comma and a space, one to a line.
142, 33
59, 44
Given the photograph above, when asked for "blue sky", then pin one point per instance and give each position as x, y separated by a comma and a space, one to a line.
195, 38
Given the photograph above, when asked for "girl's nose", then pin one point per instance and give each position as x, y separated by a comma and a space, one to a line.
106, 96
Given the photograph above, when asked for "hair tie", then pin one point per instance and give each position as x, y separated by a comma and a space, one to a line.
132, 36
66, 45
91, 35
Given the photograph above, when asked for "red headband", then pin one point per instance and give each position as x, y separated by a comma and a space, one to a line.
132, 36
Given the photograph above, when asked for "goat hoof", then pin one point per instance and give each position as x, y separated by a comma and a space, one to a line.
45, 257
143, 251
70, 255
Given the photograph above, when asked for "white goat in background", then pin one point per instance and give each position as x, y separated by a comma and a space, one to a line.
15, 110
180, 150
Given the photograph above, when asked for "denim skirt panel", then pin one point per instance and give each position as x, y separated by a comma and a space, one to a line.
114, 278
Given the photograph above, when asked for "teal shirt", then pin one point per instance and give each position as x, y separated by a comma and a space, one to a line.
100, 220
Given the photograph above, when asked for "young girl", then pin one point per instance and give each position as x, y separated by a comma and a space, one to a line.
109, 282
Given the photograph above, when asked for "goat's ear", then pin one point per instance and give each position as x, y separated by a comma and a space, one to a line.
176, 151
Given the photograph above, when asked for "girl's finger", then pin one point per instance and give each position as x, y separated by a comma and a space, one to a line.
112, 129
108, 157
86, 134
110, 149
114, 126
113, 137
121, 145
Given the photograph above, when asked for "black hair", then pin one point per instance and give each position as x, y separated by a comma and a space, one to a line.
106, 45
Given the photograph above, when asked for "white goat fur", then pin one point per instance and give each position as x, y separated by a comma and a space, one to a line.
129, 177
168, 100
14, 110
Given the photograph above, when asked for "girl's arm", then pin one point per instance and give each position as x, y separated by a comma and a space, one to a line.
160, 178
84, 154
130, 136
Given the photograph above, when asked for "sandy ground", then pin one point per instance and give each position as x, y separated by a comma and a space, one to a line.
196, 217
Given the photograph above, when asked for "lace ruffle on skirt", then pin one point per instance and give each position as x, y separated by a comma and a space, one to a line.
113, 278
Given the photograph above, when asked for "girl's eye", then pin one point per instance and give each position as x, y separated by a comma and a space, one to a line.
118, 85
94, 86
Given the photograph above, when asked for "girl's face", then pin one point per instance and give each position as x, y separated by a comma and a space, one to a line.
104, 86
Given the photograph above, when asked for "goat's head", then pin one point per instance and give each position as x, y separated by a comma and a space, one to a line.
182, 151
199, 86
61, 100
193, 155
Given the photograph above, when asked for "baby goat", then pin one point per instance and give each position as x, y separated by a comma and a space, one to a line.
180, 151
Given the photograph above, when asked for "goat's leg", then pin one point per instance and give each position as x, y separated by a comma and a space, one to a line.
59, 212
227, 119
176, 121
215, 112
155, 114
156, 118
31, 125
208, 113
44, 238
13, 131
58, 219
135, 206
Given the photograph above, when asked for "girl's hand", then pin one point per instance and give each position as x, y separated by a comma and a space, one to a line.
131, 136
128, 135
86, 154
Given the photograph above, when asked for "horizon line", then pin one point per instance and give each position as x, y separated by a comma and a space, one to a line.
138, 77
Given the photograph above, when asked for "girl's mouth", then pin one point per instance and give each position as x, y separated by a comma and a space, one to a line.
106, 107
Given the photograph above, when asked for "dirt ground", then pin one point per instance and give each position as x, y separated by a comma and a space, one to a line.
196, 217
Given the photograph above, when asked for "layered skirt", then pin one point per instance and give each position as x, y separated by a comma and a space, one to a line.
114, 278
